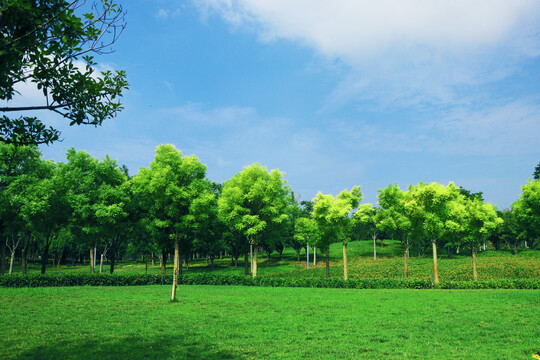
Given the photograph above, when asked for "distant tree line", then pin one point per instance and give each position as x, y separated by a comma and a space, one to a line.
86, 208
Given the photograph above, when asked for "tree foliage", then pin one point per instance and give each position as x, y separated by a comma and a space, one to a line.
49, 45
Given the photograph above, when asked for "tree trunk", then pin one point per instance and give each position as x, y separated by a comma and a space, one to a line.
2, 257
457, 250
327, 254
163, 262
212, 262
112, 260
44, 257
298, 254
153, 259
176, 271
314, 256
91, 259
254, 260
176, 268
475, 274
435, 269
374, 246
246, 259
11, 262
101, 264
345, 270
24, 263
406, 261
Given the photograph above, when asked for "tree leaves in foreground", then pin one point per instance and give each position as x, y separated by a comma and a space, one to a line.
47, 44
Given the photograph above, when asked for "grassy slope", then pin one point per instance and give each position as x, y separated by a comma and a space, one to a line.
244, 323
389, 264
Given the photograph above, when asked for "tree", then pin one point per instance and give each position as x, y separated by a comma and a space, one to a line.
47, 44
167, 191
366, 221
395, 217
254, 202
536, 174
431, 204
18, 166
85, 177
480, 221
332, 216
207, 228
306, 232
527, 212
110, 207
47, 208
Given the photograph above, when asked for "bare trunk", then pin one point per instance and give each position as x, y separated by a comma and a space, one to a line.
176, 267
45, 257
435, 269
112, 260
345, 270
91, 259
24, 264
254, 269
406, 261
314, 256
246, 259
298, 255
2, 257
163, 262
153, 259
101, 264
11, 262
374, 246
475, 274
457, 250
327, 254
13, 249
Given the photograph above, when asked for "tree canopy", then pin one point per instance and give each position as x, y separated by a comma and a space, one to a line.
47, 44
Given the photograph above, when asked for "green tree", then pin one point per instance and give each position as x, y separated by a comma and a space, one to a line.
18, 166
306, 232
46, 207
480, 221
526, 210
254, 202
109, 208
395, 217
332, 216
431, 204
168, 190
536, 174
47, 44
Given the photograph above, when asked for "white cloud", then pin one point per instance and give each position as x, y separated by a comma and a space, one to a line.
358, 29
399, 52
167, 13
511, 129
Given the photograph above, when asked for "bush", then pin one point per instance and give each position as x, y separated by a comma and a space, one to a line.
37, 280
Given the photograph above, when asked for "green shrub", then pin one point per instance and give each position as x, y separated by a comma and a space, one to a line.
66, 279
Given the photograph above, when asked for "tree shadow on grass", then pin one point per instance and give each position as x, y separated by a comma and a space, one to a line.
186, 346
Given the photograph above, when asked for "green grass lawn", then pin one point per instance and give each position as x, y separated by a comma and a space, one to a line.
492, 264
219, 322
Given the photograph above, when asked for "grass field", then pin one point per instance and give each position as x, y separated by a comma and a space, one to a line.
218, 322
389, 264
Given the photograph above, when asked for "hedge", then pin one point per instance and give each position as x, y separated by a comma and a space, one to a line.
67, 279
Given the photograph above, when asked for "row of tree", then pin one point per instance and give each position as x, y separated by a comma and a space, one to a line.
84, 205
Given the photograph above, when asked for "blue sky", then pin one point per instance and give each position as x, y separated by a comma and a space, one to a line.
333, 93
